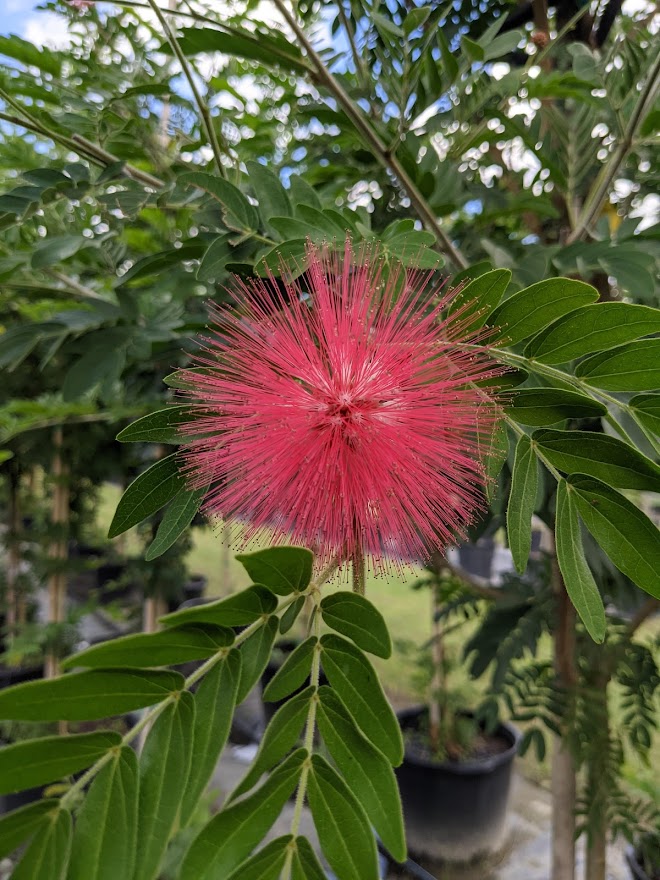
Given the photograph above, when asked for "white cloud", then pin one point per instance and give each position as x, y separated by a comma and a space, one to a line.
47, 29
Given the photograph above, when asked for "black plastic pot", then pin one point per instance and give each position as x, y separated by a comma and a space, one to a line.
10, 675
455, 811
477, 558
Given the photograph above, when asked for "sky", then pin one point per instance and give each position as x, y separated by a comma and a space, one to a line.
20, 17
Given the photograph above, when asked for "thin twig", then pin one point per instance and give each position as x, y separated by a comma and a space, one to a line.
202, 106
387, 160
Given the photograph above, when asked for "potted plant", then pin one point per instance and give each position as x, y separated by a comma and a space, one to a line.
456, 772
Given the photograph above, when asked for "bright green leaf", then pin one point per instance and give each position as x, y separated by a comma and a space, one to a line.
532, 309
239, 609
354, 616
178, 516
646, 409
47, 856
238, 213
355, 682
305, 864
39, 761
631, 367
19, 825
255, 654
293, 672
267, 864
158, 427
105, 836
86, 696
522, 500
578, 579
481, 296
282, 569
147, 494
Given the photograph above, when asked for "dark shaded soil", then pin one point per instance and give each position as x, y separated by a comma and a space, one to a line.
482, 746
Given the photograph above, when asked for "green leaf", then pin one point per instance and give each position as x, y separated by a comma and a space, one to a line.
631, 367
302, 193
255, 654
343, 829
481, 296
215, 700
532, 309
365, 770
499, 451
353, 678
578, 579
472, 50
305, 864
599, 455
291, 614
164, 767
102, 361
166, 648
158, 427
411, 249
86, 696
147, 494
267, 864
271, 195
40, 761
239, 609
238, 213
293, 672
354, 616
626, 534
646, 409
290, 255
415, 19
232, 834
56, 248
215, 258
522, 500
283, 570
47, 856
593, 328
105, 837
292, 228
546, 406
270, 50
280, 737
19, 825
178, 516
17, 343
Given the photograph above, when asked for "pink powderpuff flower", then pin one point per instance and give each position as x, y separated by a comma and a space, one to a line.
340, 411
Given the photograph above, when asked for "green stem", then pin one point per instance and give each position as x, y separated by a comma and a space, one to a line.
359, 572
207, 120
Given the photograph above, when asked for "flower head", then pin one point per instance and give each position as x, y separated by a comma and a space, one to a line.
341, 411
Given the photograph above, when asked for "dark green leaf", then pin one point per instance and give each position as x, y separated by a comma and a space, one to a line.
578, 579
40, 761
178, 516
56, 248
293, 672
593, 328
631, 367
282, 569
354, 616
532, 309
271, 195
343, 829
19, 825
232, 834
599, 455
522, 500
215, 699
481, 297
105, 837
353, 678
411, 249
267, 864
255, 654
626, 534
47, 856
166, 648
293, 228
302, 193
495, 460
290, 257
86, 696
365, 770
646, 409
238, 213
546, 406
415, 19
290, 615
280, 737
17, 343
267, 49
305, 864
239, 609
215, 258
164, 767
103, 361
324, 220
147, 494
158, 427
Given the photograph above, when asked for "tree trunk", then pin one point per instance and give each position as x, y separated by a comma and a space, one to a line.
59, 546
596, 864
563, 765
13, 553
